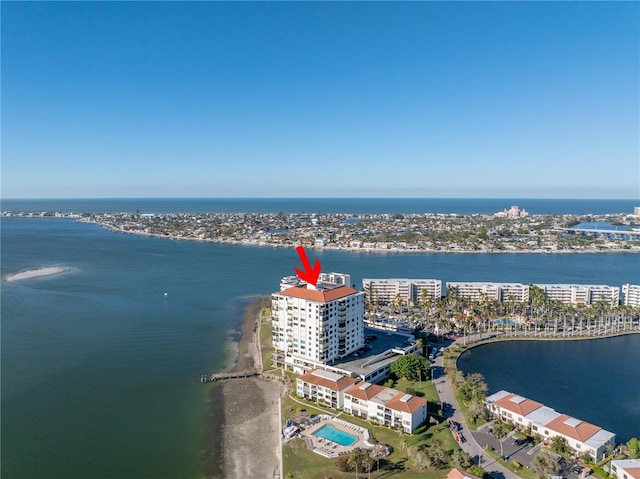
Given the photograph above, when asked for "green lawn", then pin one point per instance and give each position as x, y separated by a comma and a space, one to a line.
306, 464
266, 329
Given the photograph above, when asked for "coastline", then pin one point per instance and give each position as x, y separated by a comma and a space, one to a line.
264, 244
244, 432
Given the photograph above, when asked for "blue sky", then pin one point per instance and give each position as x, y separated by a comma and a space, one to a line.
355, 99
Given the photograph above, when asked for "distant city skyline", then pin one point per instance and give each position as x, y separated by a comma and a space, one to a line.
320, 99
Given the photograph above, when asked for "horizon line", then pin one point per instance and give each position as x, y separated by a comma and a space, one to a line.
315, 198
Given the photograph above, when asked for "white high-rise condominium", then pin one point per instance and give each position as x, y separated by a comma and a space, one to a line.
315, 327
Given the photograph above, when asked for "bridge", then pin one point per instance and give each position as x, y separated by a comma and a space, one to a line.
627, 235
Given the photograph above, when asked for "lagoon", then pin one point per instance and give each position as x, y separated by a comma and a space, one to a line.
595, 380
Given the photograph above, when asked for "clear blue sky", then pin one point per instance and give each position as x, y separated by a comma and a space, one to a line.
210, 99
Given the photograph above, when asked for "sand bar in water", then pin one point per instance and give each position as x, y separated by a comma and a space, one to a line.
36, 273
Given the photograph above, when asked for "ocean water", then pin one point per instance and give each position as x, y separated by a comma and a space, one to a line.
597, 381
465, 206
100, 372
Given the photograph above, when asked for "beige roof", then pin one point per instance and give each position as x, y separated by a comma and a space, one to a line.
326, 379
572, 427
319, 296
518, 404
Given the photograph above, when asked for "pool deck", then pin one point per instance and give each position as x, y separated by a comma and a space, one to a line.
331, 449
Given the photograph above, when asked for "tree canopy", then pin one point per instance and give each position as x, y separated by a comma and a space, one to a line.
633, 448
411, 366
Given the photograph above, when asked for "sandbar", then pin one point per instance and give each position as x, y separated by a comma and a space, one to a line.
245, 431
37, 273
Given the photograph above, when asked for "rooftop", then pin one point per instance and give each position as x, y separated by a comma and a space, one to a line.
380, 353
630, 466
456, 473
543, 415
365, 391
573, 428
518, 404
406, 403
328, 379
321, 296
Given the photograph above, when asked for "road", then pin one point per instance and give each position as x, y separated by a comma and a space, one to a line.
452, 411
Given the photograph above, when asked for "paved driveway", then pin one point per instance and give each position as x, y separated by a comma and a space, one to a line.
451, 410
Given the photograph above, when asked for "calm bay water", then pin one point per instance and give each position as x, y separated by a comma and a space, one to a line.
597, 380
100, 373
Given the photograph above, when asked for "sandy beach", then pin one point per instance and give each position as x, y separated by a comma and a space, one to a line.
246, 410
36, 273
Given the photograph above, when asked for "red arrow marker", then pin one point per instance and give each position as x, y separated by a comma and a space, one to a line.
309, 275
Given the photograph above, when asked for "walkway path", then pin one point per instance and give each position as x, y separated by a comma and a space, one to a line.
470, 446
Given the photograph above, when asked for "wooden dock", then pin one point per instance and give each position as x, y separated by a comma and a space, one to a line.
225, 376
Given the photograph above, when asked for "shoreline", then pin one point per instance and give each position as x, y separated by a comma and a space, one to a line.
245, 242
500, 339
456, 355
244, 434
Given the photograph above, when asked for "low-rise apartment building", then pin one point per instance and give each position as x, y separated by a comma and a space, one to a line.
625, 469
525, 413
324, 387
386, 406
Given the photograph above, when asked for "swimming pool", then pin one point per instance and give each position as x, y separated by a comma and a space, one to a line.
332, 434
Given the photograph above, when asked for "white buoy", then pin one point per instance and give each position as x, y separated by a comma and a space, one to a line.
166, 295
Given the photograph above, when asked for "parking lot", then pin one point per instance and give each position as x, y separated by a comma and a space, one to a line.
522, 451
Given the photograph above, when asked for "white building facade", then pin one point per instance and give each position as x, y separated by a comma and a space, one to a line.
625, 469
324, 387
581, 293
386, 406
479, 291
580, 435
315, 327
631, 295
388, 290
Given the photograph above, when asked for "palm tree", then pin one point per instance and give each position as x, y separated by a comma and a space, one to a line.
500, 430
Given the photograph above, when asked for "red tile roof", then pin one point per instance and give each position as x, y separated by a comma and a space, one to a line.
365, 391
575, 429
410, 404
521, 406
320, 296
633, 472
456, 473
342, 383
